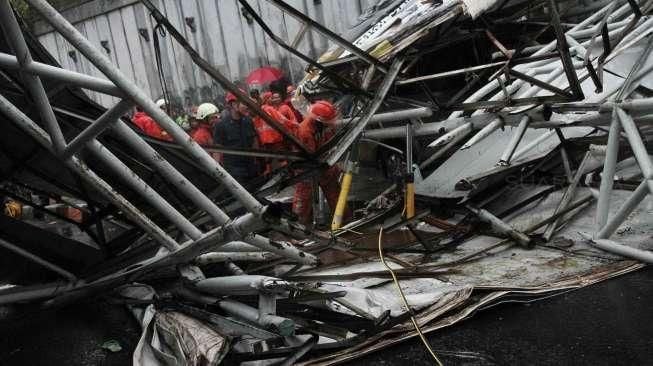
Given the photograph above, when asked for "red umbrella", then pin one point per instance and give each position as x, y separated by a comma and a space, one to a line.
264, 76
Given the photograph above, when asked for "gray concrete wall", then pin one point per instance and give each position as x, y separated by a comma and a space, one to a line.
221, 34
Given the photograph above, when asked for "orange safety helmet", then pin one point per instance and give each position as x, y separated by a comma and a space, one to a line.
323, 111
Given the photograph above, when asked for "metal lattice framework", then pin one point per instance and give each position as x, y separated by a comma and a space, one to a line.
52, 139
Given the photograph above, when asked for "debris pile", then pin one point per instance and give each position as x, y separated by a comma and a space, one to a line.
492, 151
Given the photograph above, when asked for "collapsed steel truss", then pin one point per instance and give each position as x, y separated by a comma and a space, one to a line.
506, 100
53, 140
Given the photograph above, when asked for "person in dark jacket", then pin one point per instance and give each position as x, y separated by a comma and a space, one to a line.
236, 130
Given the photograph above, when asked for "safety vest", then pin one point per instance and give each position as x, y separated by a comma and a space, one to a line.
266, 133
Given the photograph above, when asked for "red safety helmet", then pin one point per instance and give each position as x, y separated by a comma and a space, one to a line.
323, 111
231, 97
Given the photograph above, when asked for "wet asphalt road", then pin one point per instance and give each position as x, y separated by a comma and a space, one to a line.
605, 324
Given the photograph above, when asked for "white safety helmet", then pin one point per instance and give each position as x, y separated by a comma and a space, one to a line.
161, 103
205, 110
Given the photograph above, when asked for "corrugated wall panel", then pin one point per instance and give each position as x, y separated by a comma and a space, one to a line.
222, 34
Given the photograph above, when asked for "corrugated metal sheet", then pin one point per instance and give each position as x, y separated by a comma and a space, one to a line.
217, 28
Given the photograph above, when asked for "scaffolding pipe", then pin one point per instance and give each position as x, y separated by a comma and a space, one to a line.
97, 127
636, 143
607, 176
283, 326
483, 133
629, 206
14, 36
623, 250
531, 145
32, 293
221, 257
567, 197
313, 25
50, 72
36, 259
547, 48
76, 165
463, 129
139, 186
400, 115
241, 285
345, 142
105, 65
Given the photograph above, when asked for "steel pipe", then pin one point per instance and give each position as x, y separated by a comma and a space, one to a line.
96, 128
283, 326
32, 293
239, 247
400, 115
567, 197
463, 129
14, 36
143, 189
483, 133
623, 250
332, 156
36, 259
607, 177
241, 285
443, 150
629, 206
531, 145
500, 226
76, 165
636, 143
221, 257
302, 18
62, 75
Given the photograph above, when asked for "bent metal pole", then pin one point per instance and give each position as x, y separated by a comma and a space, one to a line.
99, 60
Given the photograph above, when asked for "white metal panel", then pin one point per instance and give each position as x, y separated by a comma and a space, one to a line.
146, 45
184, 63
93, 35
50, 45
223, 36
188, 9
170, 63
293, 26
214, 42
234, 40
134, 47
119, 44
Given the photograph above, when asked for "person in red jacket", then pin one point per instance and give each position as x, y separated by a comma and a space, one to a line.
316, 129
283, 109
149, 125
269, 138
206, 116
140, 118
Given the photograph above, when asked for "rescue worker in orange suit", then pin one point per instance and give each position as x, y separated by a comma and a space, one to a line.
283, 108
206, 116
148, 125
315, 130
269, 138
140, 118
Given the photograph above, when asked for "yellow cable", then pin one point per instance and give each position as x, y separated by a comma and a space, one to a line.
403, 297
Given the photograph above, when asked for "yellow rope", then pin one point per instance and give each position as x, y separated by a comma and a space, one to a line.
403, 297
